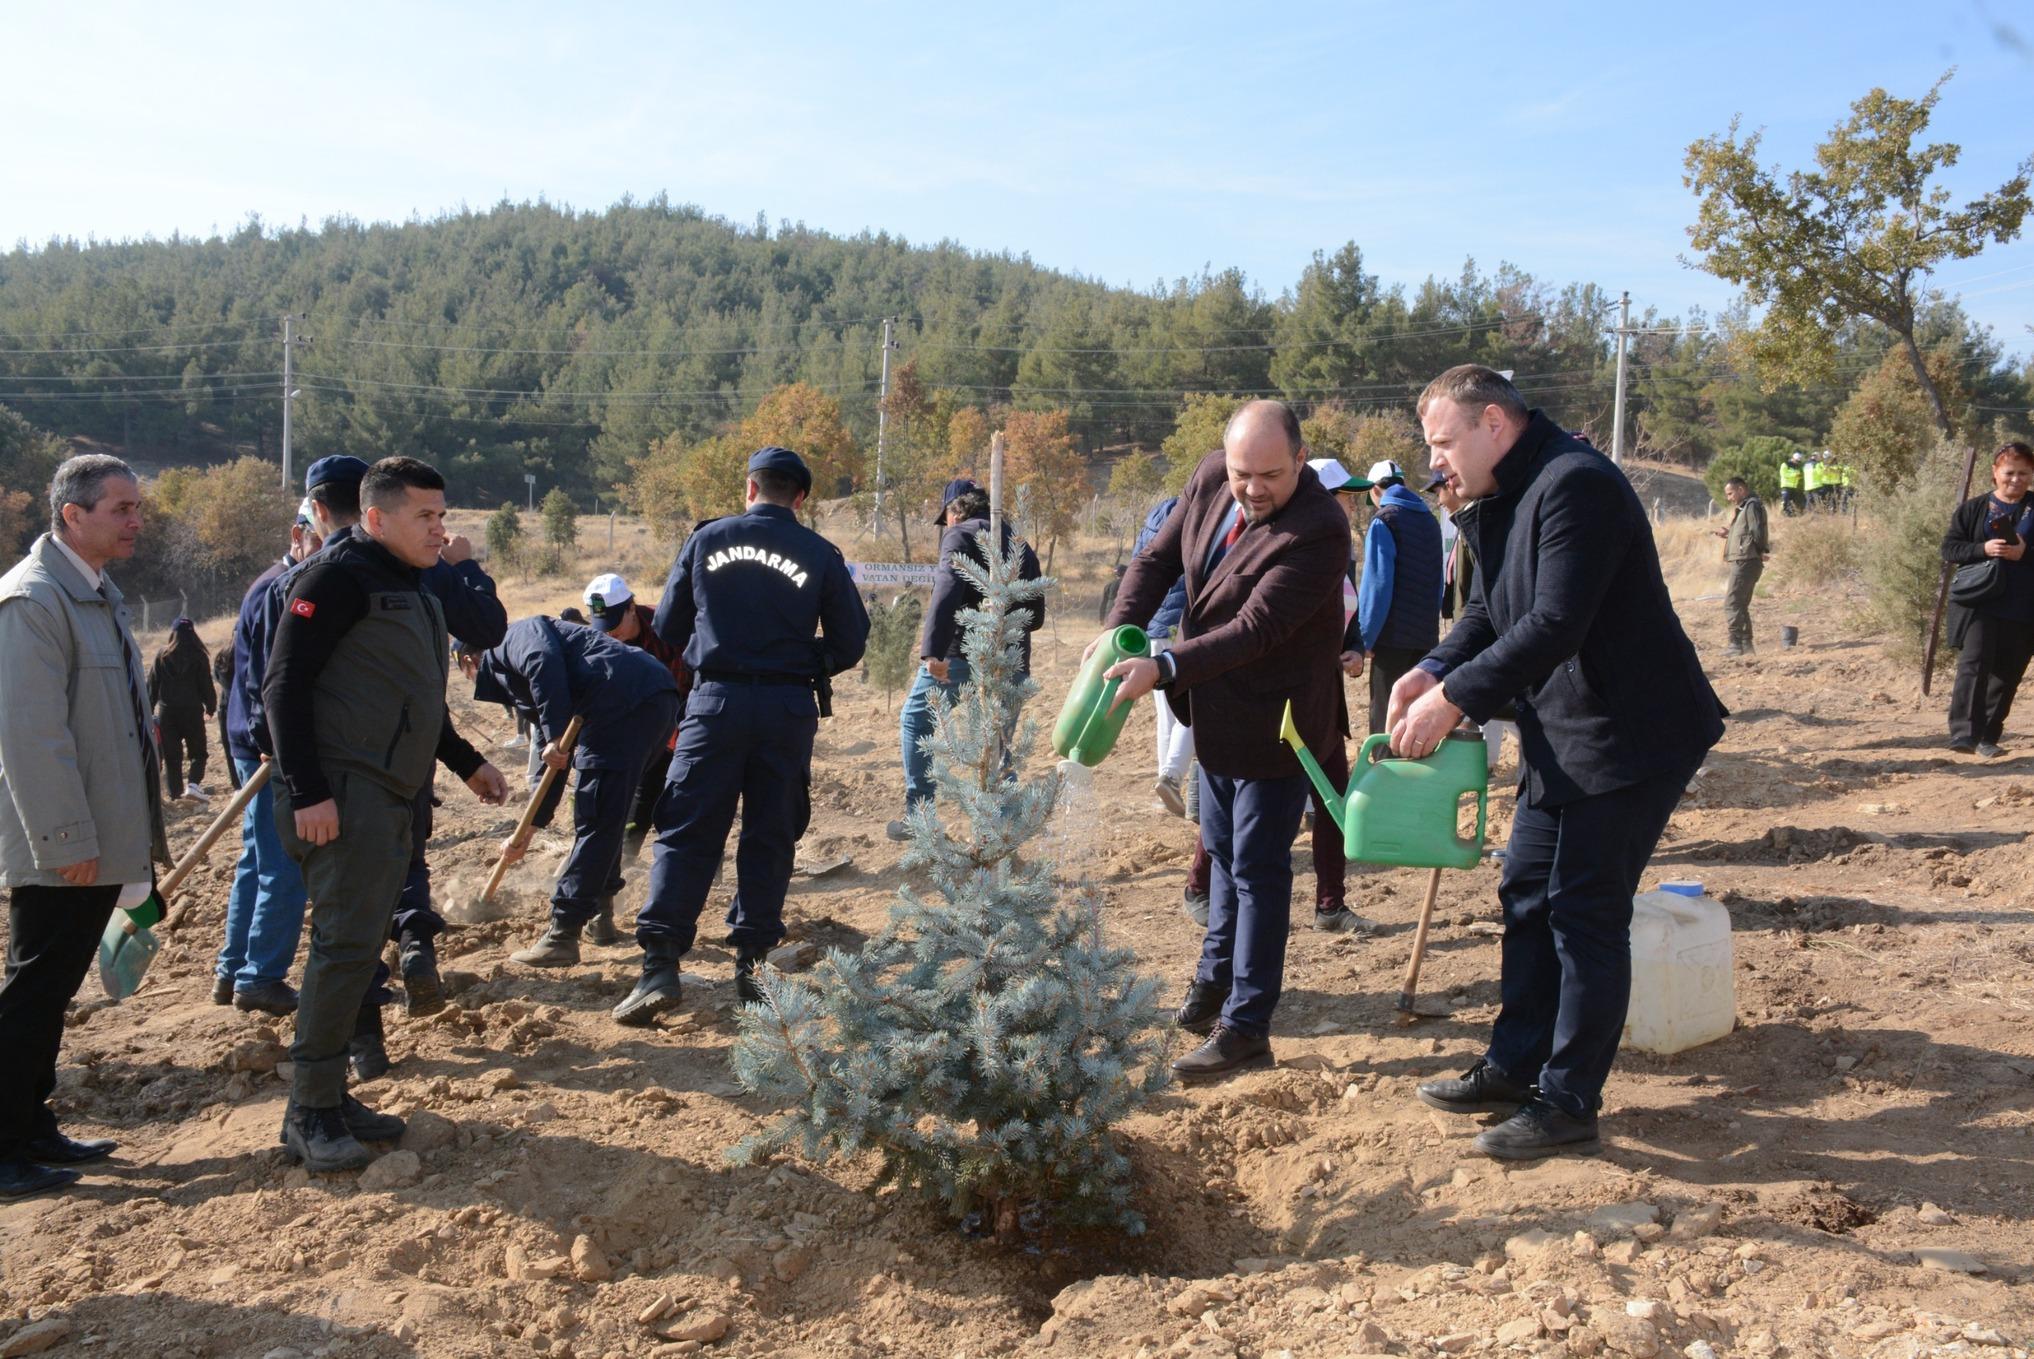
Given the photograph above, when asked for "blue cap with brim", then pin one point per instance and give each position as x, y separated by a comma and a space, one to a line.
339, 468
955, 489
784, 462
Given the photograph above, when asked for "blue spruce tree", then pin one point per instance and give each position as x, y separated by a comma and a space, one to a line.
985, 1043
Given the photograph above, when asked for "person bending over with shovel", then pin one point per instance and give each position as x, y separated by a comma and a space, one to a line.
627, 703
355, 698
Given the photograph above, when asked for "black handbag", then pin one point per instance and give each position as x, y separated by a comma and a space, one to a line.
1979, 584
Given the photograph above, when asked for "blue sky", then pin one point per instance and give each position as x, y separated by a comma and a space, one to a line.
1128, 143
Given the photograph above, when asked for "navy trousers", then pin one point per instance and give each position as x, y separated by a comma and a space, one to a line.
1569, 876
743, 743
615, 750
1248, 826
414, 914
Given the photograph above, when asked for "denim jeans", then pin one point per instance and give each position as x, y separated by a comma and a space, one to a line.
914, 723
265, 912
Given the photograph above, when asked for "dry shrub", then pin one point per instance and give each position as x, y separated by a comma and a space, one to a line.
1815, 552
1691, 557
1902, 552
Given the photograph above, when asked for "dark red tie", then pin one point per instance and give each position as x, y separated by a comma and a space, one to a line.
1235, 532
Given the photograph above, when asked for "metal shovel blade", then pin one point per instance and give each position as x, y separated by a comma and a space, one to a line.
125, 951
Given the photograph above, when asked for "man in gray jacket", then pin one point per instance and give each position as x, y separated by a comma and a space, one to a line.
80, 803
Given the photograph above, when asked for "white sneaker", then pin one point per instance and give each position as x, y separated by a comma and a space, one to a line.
203, 793
516, 742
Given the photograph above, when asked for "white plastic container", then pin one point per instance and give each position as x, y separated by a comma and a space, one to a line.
1683, 989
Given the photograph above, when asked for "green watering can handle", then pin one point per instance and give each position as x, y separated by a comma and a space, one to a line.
1372, 743
1103, 704
1482, 809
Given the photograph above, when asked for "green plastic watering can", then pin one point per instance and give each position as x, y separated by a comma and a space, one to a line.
1087, 730
1400, 811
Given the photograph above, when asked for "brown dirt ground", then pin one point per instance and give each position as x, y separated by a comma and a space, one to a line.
1877, 1098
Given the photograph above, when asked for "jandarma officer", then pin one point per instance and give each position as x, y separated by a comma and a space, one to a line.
744, 602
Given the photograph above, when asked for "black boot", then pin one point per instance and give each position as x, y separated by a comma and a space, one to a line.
1202, 1006
423, 989
321, 1140
657, 992
1482, 1089
559, 947
365, 1050
746, 990
1226, 1050
269, 998
600, 930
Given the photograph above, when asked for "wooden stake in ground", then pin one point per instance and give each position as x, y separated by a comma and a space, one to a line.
1419, 953
195, 855
1942, 588
521, 838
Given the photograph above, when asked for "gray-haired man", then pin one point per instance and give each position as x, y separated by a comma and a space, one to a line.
80, 803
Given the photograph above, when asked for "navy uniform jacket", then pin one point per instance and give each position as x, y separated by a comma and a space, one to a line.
1569, 615
465, 594
748, 593
952, 592
553, 672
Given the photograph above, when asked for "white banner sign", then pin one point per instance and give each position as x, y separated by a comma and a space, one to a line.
889, 573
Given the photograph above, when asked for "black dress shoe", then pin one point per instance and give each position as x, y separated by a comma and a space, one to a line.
20, 1177
1482, 1089
58, 1150
1226, 1050
269, 998
222, 990
1540, 1129
1201, 1007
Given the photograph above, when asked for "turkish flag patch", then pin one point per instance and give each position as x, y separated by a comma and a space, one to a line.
302, 608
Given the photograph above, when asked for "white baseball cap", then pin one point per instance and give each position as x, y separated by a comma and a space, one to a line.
605, 596
1386, 471
1335, 477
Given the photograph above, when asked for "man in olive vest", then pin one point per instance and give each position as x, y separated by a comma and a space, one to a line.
1745, 545
355, 698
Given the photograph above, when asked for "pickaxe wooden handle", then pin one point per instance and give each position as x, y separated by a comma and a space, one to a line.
522, 836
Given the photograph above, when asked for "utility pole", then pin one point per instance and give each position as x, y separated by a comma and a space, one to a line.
1617, 415
289, 391
883, 417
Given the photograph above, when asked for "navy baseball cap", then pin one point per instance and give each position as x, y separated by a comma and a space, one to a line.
342, 468
955, 489
782, 460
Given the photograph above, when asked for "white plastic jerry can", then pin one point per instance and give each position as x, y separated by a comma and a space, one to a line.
1683, 988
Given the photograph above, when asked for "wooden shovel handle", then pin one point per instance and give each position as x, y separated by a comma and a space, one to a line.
521, 837
195, 855
1412, 970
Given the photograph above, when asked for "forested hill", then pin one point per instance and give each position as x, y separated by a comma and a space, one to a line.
532, 338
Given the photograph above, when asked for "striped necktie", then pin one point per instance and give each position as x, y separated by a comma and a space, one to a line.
137, 698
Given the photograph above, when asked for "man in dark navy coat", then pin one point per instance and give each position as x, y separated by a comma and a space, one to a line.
765, 613
627, 702
1569, 617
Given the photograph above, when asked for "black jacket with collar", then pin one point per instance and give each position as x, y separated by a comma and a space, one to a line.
1569, 615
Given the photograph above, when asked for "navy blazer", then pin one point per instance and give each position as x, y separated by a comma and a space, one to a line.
1569, 616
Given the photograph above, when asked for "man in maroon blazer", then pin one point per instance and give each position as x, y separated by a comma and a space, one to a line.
1263, 547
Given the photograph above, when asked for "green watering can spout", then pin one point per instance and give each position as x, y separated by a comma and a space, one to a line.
1330, 798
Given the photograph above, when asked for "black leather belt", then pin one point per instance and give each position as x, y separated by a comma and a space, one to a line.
738, 677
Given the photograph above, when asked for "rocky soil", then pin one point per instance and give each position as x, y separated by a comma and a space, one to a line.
1850, 1173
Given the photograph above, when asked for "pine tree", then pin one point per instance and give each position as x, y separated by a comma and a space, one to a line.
985, 1043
